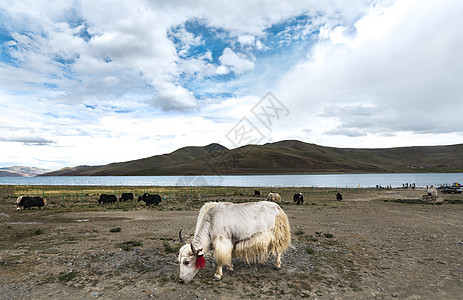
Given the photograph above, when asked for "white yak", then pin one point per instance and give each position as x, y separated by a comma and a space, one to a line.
274, 197
249, 231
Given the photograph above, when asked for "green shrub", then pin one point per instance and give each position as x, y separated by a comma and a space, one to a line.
127, 246
67, 276
137, 243
169, 248
309, 250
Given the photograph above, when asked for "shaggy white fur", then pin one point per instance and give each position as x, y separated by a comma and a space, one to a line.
274, 197
248, 231
262, 244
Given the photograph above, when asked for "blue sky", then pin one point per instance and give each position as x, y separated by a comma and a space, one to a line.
94, 82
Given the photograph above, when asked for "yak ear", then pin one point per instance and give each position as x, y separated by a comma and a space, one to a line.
180, 237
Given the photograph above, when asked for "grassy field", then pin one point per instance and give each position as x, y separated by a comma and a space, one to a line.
86, 197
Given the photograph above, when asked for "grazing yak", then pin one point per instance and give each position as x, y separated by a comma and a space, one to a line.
150, 199
298, 198
29, 201
107, 199
257, 193
338, 196
274, 197
126, 196
432, 191
250, 231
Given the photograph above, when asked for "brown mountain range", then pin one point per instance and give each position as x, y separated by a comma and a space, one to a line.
20, 171
284, 157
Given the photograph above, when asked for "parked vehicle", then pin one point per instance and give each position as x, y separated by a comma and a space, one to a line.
451, 190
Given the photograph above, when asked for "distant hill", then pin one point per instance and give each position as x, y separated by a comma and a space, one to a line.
20, 171
284, 157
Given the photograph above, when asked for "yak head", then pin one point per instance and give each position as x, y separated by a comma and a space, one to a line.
17, 203
142, 197
190, 260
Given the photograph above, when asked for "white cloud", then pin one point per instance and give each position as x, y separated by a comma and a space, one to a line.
174, 97
26, 138
377, 74
246, 40
237, 63
199, 67
402, 62
349, 132
187, 40
337, 35
222, 70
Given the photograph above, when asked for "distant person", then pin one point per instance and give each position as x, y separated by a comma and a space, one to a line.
338, 196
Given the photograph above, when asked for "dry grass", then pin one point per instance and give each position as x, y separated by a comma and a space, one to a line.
79, 198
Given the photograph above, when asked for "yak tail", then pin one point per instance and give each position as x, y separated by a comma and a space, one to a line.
281, 234
44, 202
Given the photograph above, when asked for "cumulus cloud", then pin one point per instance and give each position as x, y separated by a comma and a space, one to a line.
382, 73
246, 40
222, 70
198, 67
186, 40
237, 63
397, 71
174, 97
99, 49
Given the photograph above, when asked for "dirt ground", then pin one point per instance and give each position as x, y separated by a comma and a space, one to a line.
361, 248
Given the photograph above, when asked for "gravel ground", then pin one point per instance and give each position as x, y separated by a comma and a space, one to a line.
362, 247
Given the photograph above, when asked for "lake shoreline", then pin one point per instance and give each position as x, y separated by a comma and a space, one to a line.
394, 180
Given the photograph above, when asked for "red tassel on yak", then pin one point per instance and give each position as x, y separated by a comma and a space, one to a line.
200, 262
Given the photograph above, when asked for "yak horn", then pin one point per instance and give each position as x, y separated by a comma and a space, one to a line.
180, 237
193, 249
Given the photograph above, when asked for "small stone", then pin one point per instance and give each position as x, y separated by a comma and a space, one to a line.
52, 250
291, 270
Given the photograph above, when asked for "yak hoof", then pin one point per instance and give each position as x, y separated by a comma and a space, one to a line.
217, 278
277, 268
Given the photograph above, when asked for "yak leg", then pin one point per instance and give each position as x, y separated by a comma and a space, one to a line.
230, 267
223, 249
218, 273
278, 261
